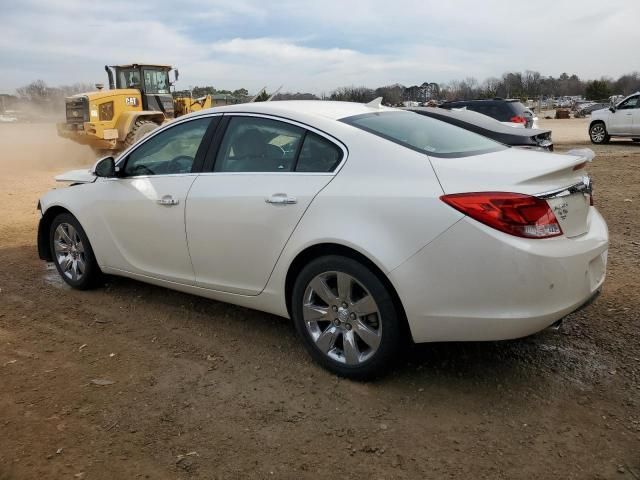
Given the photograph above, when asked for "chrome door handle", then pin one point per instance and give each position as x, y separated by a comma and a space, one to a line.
281, 199
167, 201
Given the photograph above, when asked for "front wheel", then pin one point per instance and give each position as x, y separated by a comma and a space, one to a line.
346, 317
140, 129
598, 133
72, 253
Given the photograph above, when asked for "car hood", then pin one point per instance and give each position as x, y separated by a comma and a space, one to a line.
602, 112
76, 176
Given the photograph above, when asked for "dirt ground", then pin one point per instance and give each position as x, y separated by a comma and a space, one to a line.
208, 390
566, 131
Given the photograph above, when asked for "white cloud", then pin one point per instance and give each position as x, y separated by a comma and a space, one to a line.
316, 46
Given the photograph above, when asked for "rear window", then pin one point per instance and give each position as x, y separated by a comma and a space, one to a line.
424, 134
501, 110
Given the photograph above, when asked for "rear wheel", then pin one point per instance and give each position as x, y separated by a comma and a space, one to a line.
72, 253
141, 128
598, 133
346, 317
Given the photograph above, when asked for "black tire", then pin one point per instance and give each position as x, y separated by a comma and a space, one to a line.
598, 133
140, 129
388, 318
636, 139
91, 273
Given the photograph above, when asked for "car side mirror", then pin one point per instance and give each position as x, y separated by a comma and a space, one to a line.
613, 109
105, 167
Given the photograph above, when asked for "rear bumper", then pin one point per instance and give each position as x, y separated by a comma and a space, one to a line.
475, 283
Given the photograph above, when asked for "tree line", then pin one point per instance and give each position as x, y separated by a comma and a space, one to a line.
523, 85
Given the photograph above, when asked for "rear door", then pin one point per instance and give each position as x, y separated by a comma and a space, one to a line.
264, 173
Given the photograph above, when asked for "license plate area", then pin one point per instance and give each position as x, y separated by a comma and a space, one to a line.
572, 212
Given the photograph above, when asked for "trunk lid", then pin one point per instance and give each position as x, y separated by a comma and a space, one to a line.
545, 175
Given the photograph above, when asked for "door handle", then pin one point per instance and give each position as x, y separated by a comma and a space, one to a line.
281, 199
167, 201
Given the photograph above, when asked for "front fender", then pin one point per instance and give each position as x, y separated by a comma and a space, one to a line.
58, 201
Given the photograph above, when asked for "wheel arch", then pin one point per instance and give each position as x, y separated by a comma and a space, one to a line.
128, 119
323, 249
44, 249
597, 120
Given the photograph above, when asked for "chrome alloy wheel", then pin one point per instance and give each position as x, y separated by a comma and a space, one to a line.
598, 133
69, 251
342, 318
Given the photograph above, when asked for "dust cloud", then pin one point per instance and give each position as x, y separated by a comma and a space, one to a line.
35, 147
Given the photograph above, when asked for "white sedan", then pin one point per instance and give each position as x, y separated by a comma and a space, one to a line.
366, 225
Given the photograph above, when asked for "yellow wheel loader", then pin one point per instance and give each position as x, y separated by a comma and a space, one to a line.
138, 100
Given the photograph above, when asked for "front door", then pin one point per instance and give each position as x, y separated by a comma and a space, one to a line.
240, 216
622, 119
143, 209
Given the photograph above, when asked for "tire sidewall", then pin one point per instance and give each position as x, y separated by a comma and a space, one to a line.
606, 135
92, 271
144, 129
391, 331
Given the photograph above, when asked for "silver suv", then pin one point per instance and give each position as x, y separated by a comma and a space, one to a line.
621, 120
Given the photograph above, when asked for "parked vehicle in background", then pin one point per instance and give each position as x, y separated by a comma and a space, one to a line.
509, 112
587, 108
621, 120
363, 224
531, 138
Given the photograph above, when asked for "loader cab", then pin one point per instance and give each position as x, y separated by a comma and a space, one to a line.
151, 80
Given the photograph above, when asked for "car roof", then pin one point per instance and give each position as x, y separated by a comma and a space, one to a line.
331, 110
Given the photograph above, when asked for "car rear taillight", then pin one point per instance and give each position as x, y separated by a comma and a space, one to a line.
518, 119
513, 213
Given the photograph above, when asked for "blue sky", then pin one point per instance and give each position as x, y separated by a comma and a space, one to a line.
316, 45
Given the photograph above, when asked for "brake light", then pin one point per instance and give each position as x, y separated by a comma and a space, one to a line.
518, 119
512, 213
579, 166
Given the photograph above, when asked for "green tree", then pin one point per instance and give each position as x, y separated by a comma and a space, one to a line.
597, 90
262, 97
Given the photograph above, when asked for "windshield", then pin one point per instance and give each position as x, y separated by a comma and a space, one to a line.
424, 134
128, 78
156, 81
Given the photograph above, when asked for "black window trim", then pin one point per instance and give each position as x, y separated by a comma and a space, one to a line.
199, 160
349, 120
212, 152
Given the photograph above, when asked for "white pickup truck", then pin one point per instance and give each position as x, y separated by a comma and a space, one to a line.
622, 120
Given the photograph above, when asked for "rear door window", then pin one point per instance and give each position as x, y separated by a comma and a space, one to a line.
255, 144
318, 155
